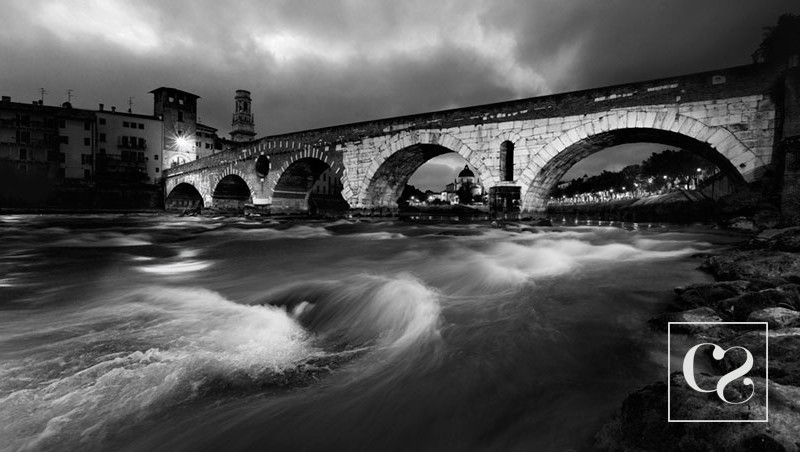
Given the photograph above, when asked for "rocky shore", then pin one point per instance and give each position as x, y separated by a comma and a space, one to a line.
759, 281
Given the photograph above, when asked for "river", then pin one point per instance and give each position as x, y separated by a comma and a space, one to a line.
162, 333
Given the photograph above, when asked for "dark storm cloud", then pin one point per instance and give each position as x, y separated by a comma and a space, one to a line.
317, 63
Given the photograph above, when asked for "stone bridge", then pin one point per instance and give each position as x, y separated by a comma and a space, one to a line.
738, 118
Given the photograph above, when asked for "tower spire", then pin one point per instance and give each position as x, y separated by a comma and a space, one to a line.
243, 122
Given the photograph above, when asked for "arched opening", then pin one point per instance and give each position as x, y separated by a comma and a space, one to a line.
231, 193
184, 197
177, 161
424, 174
507, 161
262, 166
555, 169
309, 185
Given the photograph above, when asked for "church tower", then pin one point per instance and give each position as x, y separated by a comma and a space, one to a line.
243, 124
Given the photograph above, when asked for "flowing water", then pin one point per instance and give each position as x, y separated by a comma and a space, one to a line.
159, 333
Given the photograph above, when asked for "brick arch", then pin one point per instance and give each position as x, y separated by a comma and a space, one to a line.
313, 154
550, 163
403, 141
230, 171
274, 180
193, 179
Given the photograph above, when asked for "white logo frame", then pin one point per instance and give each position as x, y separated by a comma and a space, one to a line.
766, 371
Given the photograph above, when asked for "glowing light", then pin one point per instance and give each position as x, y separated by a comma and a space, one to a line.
182, 143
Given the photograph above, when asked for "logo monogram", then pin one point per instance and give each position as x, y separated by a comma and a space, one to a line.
746, 377
718, 354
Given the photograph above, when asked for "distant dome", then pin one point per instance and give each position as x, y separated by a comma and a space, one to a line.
466, 172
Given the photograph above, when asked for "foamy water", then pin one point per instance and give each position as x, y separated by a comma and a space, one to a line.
212, 334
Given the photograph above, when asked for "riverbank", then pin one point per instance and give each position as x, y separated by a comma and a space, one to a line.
757, 281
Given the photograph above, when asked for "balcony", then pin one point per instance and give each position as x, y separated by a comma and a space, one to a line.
131, 143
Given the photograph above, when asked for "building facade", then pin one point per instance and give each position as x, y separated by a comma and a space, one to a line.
129, 147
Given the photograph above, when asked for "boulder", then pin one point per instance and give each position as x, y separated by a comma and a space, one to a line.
698, 295
788, 240
703, 314
776, 266
741, 224
641, 423
776, 317
740, 307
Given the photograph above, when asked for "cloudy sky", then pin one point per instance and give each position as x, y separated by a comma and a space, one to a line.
324, 62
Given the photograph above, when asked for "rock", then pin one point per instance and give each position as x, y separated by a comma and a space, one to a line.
542, 222
776, 317
641, 423
741, 307
703, 314
788, 240
741, 224
698, 295
777, 266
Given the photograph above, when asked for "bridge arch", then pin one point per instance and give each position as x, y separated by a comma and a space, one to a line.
184, 196
231, 191
310, 183
383, 182
716, 144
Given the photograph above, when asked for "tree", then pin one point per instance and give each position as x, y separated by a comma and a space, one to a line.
780, 41
464, 193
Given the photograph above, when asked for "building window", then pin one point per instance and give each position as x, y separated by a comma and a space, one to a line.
86, 159
23, 137
197, 144
141, 126
141, 142
62, 157
125, 124
180, 116
156, 169
180, 101
171, 99
63, 139
87, 141
87, 174
62, 124
23, 154
101, 151
87, 125
102, 121
208, 145
102, 138
155, 156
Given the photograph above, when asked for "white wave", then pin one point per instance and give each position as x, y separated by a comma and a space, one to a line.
176, 268
118, 362
103, 240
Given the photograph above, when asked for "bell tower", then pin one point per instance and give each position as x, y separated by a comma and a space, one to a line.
243, 124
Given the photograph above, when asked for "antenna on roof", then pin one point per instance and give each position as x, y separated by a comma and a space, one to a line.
69, 95
42, 92
130, 104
